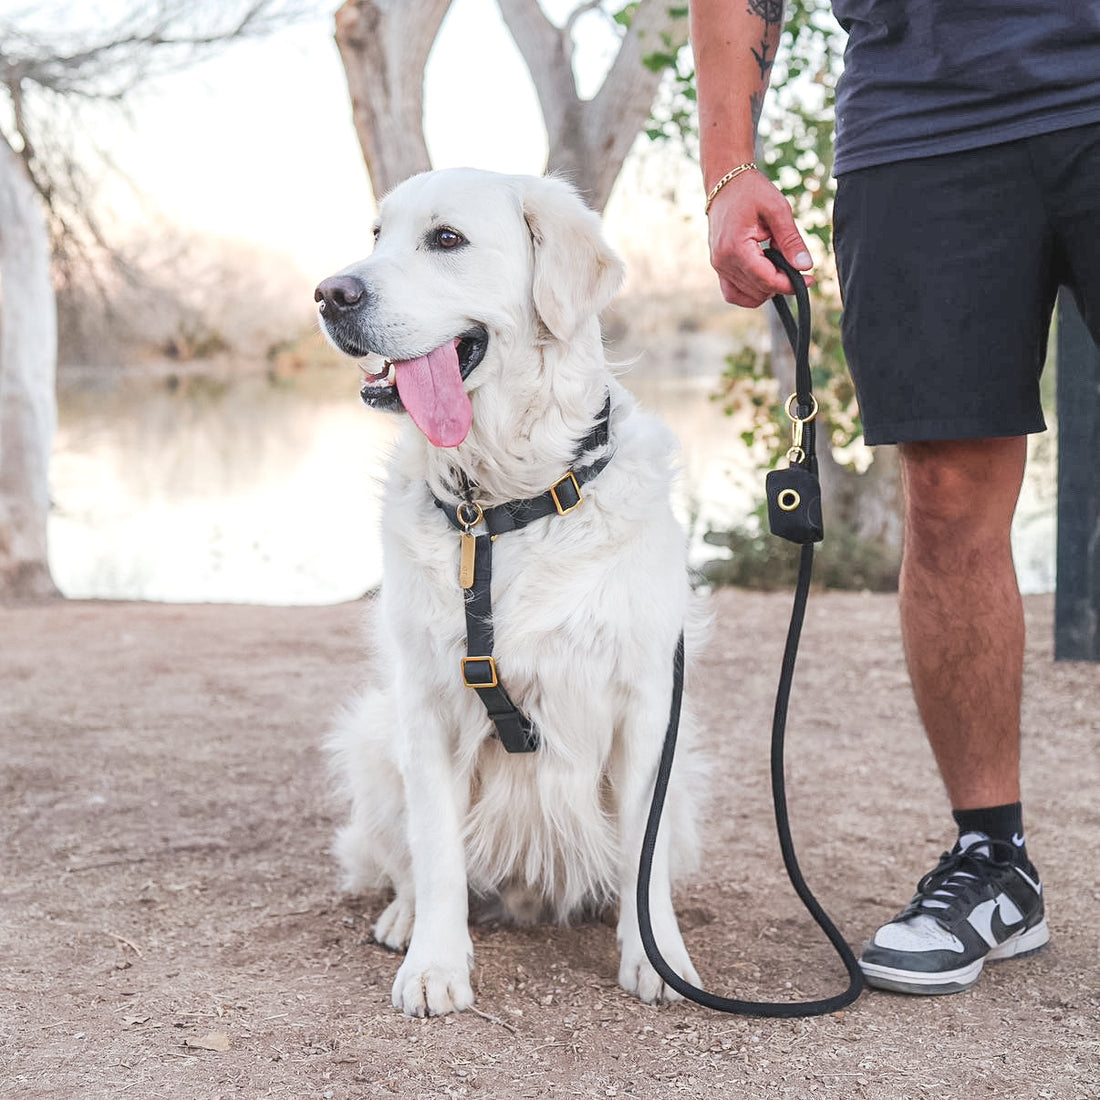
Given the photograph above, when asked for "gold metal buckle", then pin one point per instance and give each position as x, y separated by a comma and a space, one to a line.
492, 683
563, 511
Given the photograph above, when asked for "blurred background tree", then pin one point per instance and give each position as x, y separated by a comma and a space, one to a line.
54, 246
51, 80
384, 45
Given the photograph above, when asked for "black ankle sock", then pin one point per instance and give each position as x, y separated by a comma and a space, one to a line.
999, 822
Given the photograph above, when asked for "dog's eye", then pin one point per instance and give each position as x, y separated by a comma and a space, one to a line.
376, 231
446, 237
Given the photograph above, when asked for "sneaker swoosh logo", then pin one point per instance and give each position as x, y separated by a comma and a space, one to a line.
987, 921
1017, 840
1002, 931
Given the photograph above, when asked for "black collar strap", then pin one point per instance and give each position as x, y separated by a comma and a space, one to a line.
560, 499
515, 729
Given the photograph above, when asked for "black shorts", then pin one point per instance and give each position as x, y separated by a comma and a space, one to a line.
949, 267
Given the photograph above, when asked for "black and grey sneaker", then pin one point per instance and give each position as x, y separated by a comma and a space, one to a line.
977, 904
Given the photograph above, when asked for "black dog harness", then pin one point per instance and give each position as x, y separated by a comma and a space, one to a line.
479, 668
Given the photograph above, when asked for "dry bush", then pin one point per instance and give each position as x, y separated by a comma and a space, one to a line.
183, 296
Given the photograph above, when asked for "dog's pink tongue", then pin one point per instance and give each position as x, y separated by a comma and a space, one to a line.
431, 391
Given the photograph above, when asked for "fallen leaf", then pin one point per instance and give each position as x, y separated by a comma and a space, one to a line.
216, 1040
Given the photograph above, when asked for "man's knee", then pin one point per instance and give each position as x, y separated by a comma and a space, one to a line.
960, 496
956, 486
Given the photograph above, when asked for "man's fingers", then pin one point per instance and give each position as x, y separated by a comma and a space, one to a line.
794, 248
747, 213
738, 297
741, 294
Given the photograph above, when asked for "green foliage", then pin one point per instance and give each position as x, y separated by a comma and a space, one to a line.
673, 118
796, 136
625, 14
796, 139
758, 559
748, 385
796, 127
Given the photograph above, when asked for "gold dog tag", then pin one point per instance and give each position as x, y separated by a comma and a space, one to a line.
466, 562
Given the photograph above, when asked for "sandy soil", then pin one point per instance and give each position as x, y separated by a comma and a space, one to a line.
170, 924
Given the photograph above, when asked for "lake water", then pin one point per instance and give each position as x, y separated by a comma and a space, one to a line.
264, 488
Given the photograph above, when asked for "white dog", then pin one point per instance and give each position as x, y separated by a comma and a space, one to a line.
481, 299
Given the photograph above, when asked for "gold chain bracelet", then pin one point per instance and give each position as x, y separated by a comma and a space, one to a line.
732, 174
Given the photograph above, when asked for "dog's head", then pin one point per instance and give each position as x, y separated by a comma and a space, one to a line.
465, 264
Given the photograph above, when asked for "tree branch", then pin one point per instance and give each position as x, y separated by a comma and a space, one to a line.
577, 12
42, 74
654, 30
547, 52
140, 45
589, 140
384, 45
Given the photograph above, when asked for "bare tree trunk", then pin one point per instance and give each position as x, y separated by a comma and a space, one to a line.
28, 401
590, 139
384, 45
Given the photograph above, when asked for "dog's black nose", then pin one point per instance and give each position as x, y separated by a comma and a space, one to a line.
340, 293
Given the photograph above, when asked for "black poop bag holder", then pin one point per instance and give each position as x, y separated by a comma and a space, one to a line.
794, 513
794, 494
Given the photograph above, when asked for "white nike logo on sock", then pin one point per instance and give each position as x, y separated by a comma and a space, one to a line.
1017, 840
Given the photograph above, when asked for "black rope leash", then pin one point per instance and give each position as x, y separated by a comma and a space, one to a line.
794, 512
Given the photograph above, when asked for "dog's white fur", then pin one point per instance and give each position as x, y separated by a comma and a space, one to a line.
586, 608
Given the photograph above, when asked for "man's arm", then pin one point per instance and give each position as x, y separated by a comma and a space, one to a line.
734, 42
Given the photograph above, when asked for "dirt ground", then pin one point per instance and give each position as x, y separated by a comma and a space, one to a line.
170, 924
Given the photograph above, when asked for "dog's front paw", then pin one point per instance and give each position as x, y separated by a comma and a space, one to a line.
637, 976
393, 929
433, 990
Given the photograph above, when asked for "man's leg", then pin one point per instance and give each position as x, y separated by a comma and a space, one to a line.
931, 300
962, 624
961, 614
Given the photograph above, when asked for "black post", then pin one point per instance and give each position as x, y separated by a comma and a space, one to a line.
1077, 596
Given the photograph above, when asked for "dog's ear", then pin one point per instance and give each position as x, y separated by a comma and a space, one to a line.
576, 273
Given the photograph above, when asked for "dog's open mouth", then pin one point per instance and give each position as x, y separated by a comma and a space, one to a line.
430, 387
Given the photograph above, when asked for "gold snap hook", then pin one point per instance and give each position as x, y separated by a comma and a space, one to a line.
797, 452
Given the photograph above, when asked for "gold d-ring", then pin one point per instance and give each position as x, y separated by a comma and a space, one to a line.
467, 508
800, 419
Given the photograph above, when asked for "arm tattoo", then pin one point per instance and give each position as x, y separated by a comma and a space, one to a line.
757, 101
771, 12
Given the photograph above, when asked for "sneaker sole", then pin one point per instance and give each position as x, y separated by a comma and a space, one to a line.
954, 981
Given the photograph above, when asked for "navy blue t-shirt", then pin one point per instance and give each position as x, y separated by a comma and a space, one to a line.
925, 77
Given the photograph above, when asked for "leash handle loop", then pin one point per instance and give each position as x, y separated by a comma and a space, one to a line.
799, 336
798, 332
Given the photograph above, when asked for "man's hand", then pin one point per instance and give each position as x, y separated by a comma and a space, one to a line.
745, 214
